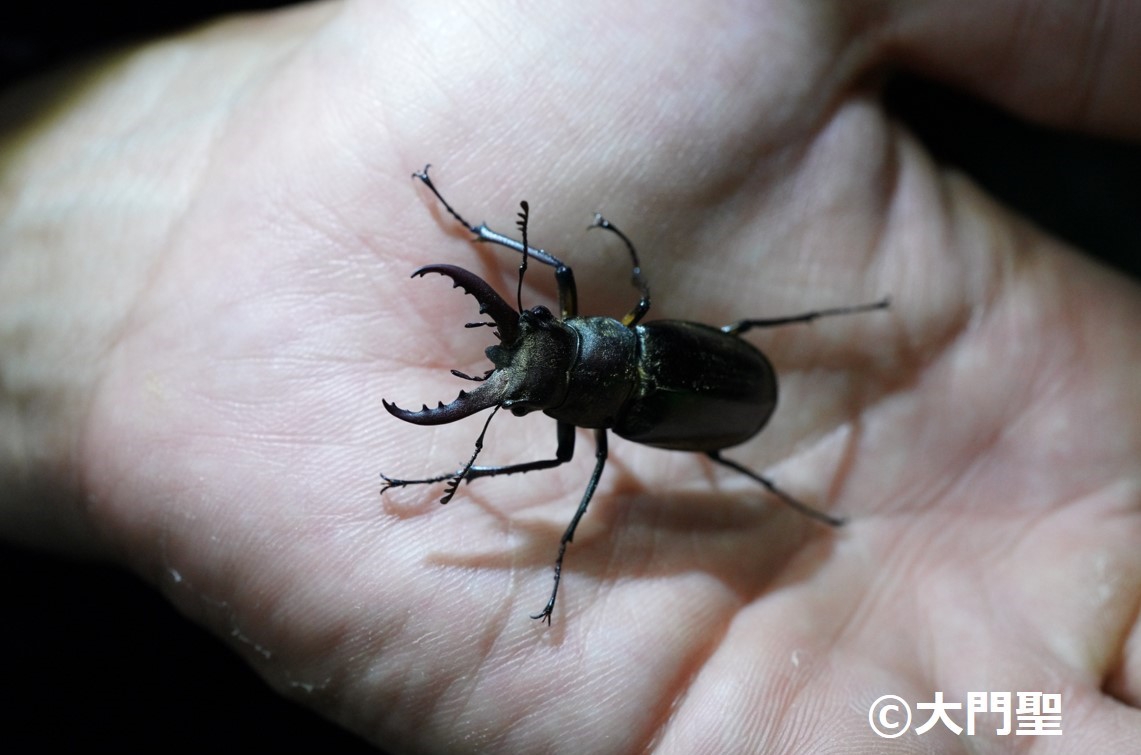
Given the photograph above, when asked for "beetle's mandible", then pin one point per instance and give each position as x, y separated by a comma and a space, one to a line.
668, 383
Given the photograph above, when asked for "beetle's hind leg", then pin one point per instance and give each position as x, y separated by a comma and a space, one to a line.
803, 508
742, 326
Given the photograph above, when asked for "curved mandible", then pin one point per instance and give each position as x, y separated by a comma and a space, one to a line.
490, 302
489, 393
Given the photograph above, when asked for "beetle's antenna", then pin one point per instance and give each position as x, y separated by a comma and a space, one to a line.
454, 483
474, 378
522, 223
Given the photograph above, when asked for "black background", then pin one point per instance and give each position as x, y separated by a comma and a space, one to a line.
95, 658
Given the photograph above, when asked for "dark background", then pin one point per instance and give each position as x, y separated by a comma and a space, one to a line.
95, 658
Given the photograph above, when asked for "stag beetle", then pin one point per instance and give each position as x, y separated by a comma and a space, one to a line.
668, 384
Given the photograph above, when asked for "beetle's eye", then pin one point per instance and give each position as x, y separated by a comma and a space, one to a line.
541, 312
517, 408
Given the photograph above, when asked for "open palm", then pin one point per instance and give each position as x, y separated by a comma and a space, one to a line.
981, 436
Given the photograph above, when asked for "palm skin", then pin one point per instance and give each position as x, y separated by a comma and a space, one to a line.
981, 437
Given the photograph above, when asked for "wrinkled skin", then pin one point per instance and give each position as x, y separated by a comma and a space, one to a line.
194, 367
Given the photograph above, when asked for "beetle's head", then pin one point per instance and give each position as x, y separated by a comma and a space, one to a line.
532, 358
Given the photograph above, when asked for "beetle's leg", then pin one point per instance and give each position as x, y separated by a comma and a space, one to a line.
568, 294
803, 508
423, 176
563, 454
564, 277
741, 326
568, 536
636, 279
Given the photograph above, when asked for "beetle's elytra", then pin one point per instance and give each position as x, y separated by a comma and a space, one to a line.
669, 384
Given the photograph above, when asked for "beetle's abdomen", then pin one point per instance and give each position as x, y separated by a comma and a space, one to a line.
698, 388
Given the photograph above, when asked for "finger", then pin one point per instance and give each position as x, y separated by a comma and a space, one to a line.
1076, 65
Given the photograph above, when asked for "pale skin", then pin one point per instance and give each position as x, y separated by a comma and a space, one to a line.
204, 295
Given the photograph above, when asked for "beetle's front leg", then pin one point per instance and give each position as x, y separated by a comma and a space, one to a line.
564, 276
600, 462
469, 472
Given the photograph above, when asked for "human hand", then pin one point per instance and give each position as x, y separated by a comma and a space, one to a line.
245, 308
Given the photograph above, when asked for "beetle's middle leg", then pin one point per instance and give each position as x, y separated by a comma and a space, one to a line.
636, 278
469, 472
600, 462
803, 508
